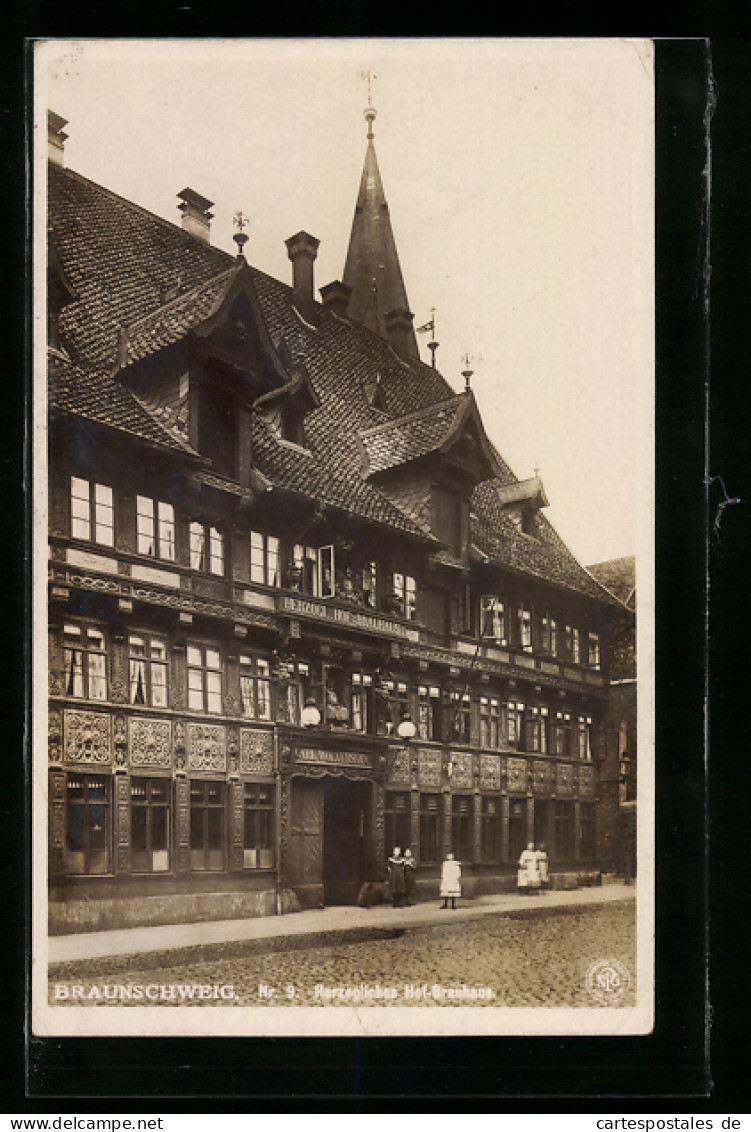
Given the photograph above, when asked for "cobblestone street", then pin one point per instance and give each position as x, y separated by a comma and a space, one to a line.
535, 958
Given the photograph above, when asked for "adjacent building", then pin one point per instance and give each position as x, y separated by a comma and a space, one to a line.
300, 609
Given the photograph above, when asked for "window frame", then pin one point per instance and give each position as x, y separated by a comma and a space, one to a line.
87, 781
397, 820
203, 540
162, 534
431, 819
495, 608
462, 828
404, 589
91, 659
265, 559
149, 665
429, 713
491, 844
490, 720
207, 691
260, 815
206, 807
150, 806
96, 510
460, 731
255, 687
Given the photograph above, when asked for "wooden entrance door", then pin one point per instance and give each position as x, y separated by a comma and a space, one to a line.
306, 839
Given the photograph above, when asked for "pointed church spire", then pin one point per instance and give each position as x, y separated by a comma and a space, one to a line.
372, 271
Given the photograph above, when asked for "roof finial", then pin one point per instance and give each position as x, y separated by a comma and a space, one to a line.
240, 221
430, 326
537, 469
369, 113
467, 373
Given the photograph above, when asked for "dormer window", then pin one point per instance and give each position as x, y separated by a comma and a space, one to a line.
524, 520
447, 518
218, 428
293, 428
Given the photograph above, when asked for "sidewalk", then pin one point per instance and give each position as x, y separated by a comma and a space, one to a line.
139, 941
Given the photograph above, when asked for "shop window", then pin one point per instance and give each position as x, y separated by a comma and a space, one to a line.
404, 596
493, 620
258, 827
490, 722
514, 724
460, 730
593, 653
92, 514
207, 826
87, 824
206, 549
431, 821
147, 670
264, 559
584, 729
490, 830
84, 662
563, 829
204, 679
429, 712
537, 729
461, 827
397, 824
561, 733
255, 687
150, 825
588, 831
517, 828
155, 528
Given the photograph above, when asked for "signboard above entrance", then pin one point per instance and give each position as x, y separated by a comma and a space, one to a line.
332, 758
370, 622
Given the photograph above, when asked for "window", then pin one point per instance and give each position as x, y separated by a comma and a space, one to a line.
431, 816
293, 428
537, 730
369, 576
305, 559
206, 549
563, 825
258, 826
293, 693
548, 635
147, 670
490, 722
264, 559
92, 515
155, 528
405, 594
429, 712
585, 738
255, 687
493, 620
326, 571
84, 662
514, 723
447, 518
593, 654
461, 827
149, 824
401, 703
490, 830
207, 823
397, 825
204, 679
461, 718
87, 824
588, 831
572, 646
383, 701
362, 701
561, 733
524, 628
517, 828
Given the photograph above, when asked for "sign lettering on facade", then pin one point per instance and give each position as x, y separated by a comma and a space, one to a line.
304, 607
332, 758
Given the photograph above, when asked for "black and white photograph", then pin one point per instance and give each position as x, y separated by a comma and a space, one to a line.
343, 537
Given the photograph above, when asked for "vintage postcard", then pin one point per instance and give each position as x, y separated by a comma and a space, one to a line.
343, 506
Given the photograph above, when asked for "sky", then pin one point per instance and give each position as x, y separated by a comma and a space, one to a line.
519, 176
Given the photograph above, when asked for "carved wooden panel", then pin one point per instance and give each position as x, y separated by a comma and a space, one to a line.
305, 860
182, 808
415, 815
516, 771
541, 777
379, 826
180, 740
206, 747
55, 735
120, 740
504, 827
490, 772
586, 780
119, 672
399, 765
150, 742
87, 738
564, 778
57, 810
256, 751
236, 825
429, 767
178, 678
462, 777
122, 822
55, 661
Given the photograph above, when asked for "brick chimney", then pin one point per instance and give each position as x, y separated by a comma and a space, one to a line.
335, 297
56, 138
399, 331
302, 249
196, 216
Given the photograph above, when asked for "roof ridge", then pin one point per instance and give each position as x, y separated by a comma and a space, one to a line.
183, 296
415, 415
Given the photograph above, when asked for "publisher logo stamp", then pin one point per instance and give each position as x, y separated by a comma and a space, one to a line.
607, 981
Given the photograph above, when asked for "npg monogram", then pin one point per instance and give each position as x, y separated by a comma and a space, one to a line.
607, 981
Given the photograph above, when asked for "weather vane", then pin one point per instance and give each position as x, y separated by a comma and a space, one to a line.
467, 373
240, 221
370, 112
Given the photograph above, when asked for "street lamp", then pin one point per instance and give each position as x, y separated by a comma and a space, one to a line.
406, 729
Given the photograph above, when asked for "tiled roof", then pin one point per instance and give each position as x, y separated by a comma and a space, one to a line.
619, 576
407, 438
124, 263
